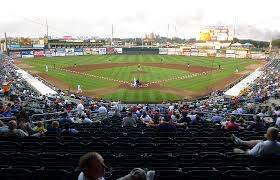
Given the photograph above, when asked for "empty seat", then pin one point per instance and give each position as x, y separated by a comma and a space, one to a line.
6, 146
15, 174
23, 159
51, 174
240, 175
213, 160
203, 175
187, 160
168, 174
270, 175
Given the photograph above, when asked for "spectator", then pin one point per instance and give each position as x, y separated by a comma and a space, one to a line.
84, 119
80, 108
231, 124
3, 128
216, 119
25, 126
39, 128
13, 131
155, 122
102, 109
259, 147
129, 120
167, 126
258, 125
145, 118
92, 166
67, 131
54, 127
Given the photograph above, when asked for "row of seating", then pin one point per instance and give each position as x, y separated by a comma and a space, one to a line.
125, 147
60, 174
203, 159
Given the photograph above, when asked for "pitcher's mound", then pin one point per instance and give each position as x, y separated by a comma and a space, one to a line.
143, 85
138, 72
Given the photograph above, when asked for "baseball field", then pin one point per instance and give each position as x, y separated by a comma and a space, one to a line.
161, 78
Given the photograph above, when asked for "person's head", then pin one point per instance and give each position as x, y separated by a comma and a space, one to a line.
129, 114
144, 114
156, 120
40, 124
12, 125
92, 165
55, 124
232, 118
272, 134
258, 119
66, 126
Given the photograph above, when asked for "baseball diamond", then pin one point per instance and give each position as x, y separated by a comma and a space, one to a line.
162, 77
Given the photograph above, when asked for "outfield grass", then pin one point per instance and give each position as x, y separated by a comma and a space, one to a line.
151, 73
198, 84
141, 96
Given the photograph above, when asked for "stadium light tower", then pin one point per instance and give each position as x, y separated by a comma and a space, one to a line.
47, 28
112, 35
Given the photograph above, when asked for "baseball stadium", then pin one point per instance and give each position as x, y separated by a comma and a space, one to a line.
135, 106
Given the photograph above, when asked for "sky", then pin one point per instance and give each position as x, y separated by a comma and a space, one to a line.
254, 19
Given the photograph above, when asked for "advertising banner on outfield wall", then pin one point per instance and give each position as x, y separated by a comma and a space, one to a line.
78, 51
27, 54
241, 52
15, 55
39, 46
194, 50
111, 50
49, 52
39, 53
87, 51
230, 51
60, 52
241, 56
102, 51
202, 54
230, 55
119, 50
163, 51
69, 52
221, 55
53, 51
14, 46
194, 53
258, 56
95, 51
173, 51
187, 54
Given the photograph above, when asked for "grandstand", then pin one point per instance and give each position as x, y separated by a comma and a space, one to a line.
54, 131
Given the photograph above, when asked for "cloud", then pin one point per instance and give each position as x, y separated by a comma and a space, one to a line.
253, 32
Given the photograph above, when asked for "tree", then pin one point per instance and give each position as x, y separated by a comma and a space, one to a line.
276, 43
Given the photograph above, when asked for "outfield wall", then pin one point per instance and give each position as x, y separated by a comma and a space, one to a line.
58, 52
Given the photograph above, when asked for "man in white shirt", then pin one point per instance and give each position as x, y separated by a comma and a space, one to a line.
102, 109
80, 108
259, 147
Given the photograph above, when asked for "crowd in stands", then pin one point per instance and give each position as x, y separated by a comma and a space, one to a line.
166, 138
